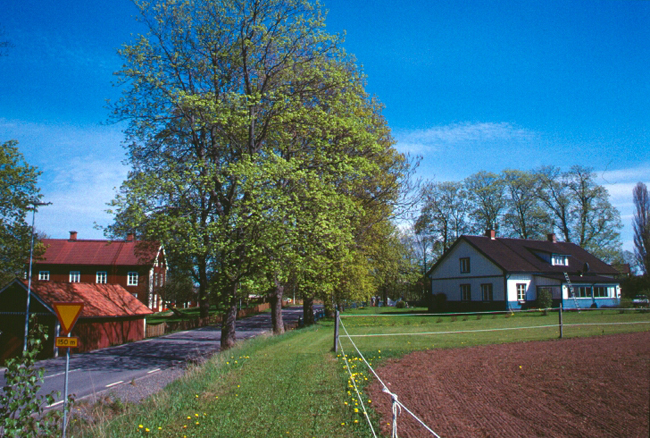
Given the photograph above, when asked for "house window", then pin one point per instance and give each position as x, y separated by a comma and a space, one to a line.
132, 279
559, 260
465, 292
486, 292
583, 291
600, 292
521, 291
75, 276
101, 277
44, 275
464, 265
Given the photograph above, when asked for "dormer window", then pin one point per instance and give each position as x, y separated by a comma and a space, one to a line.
559, 260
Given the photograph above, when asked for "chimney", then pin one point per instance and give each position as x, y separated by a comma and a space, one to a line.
551, 237
130, 237
73, 235
492, 234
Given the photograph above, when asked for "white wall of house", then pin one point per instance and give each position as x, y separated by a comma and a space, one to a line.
447, 277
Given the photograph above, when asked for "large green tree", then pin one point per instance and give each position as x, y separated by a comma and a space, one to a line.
18, 192
244, 120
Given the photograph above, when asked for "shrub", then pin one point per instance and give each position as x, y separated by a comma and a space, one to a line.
401, 305
544, 299
21, 409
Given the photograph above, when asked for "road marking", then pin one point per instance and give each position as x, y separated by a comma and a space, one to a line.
113, 384
153, 371
61, 373
55, 404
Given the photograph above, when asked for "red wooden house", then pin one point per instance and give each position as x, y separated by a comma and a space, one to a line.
138, 266
110, 316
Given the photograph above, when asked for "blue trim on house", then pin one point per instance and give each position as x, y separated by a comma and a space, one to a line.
569, 303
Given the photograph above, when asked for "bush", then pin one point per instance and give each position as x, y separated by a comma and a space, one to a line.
544, 299
401, 305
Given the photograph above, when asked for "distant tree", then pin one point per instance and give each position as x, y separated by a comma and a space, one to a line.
444, 215
525, 217
18, 190
597, 222
641, 226
486, 192
553, 191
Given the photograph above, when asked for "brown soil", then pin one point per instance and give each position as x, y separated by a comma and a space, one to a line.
579, 387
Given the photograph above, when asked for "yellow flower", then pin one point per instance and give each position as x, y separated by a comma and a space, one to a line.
141, 426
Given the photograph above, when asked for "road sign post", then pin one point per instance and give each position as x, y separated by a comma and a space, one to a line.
68, 313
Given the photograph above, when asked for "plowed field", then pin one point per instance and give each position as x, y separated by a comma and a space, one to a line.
579, 387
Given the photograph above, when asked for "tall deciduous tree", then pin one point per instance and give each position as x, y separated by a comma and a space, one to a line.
18, 190
444, 213
525, 218
245, 119
641, 226
486, 192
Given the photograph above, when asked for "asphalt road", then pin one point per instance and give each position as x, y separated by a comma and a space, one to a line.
99, 371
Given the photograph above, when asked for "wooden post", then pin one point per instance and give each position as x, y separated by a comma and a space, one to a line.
336, 331
561, 327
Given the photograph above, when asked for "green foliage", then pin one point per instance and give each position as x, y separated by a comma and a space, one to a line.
544, 299
18, 190
21, 408
257, 157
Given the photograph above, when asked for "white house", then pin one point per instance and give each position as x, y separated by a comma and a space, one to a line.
489, 273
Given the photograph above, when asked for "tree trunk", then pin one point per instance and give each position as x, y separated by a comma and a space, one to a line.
276, 308
228, 334
308, 310
204, 304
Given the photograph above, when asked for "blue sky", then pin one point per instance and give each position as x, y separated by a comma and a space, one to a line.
469, 85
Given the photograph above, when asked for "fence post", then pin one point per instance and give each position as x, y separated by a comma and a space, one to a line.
336, 331
561, 327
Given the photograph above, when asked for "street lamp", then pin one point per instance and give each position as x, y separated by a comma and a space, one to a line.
29, 273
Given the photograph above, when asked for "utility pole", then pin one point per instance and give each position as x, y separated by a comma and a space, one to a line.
29, 273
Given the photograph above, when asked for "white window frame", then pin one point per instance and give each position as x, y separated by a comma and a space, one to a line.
75, 277
466, 292
521, 291
101, 277
44, 276
582, 291
465, 266
603, 292
487, 292
559, 260
132, 278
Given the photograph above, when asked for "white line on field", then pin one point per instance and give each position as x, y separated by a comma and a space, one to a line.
115, 383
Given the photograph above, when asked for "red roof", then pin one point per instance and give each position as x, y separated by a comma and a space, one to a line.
98, 252
100, 300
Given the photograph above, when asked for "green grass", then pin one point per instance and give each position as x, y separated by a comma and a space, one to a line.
293, 386
506, 328
289, 386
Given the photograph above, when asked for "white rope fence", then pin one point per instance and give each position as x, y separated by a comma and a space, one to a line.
397, 406
356, 389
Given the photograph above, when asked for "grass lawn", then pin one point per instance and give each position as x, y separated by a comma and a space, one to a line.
293, 386
284, 386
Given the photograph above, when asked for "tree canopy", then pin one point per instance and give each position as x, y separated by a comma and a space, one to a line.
257, 156
525, 205
18, 190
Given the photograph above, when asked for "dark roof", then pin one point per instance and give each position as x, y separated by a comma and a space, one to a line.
98, 252
100, 300
522, 255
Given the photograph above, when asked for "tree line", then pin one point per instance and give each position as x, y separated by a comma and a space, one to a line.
525, 205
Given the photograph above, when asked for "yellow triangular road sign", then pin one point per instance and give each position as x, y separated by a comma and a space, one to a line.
68, 314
